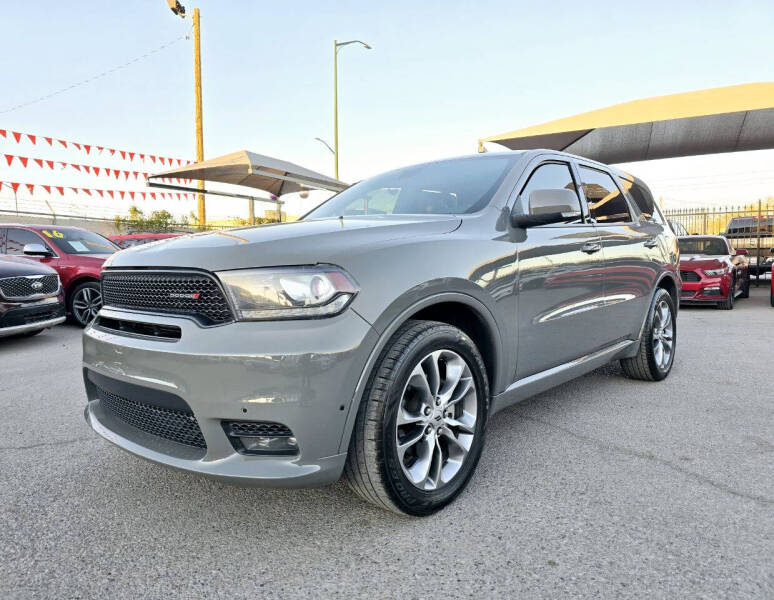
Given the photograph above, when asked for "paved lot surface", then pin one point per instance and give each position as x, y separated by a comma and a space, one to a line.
604, 487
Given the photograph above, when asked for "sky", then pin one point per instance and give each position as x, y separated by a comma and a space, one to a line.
440, 76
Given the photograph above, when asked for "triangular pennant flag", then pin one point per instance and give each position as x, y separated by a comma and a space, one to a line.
23, 160
63, 143
86, 168
109, 193
131, 195
60, 189
16, 136
14, 187
39, 161
96, 170
76, 167
50, 164
99, 192
116, 173
85, 191
76, 145
122, 194
49, 140
131, 155
142, 157
142, 194
153, 158
135, 173
178, 196
112, 151
47, 188
87, 148
126, 175
9, 158
30, 186
162, 159
74, 189
123, 154
32, 138
152, 195
100, 148
179, 163
3, 132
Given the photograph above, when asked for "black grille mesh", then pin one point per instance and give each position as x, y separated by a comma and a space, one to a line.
253, 428
689, 276
175, 425
24, 287
167, 292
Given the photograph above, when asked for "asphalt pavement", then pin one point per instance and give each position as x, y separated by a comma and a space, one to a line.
603, 487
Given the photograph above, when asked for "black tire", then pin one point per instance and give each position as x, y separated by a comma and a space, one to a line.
746, 287
728, 302
771, 296
644, 365
86, 291
373, 469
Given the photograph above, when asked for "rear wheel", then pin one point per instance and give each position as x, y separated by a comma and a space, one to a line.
85, 302
746, 287
656, 355
420, 428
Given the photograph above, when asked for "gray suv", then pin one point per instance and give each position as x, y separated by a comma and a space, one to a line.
376, 336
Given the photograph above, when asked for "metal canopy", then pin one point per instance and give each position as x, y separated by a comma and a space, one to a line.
727, 119
256, 171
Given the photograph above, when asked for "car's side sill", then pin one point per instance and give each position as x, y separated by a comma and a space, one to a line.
539, 382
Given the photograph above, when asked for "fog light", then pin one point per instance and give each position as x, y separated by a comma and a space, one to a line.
711, 291
260, 437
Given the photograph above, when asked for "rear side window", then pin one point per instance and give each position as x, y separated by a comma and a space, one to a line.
644, 201
606, 202
18, 238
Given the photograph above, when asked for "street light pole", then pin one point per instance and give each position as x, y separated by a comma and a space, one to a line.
336, 46
199, 126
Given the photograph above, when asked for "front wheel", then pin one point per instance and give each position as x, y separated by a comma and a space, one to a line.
728, 303
419, 431
85, 302
656, 355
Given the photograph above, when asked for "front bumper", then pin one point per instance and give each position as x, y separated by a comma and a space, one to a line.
707, 289
302, 374
22, 317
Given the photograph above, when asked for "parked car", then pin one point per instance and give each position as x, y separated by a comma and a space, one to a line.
138, 239
378, 335
31, 298
76, 254
750, 233
712, 271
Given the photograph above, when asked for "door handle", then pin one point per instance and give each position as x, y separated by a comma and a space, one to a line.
591, 247
651, 243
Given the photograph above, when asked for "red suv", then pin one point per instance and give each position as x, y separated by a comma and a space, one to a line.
76, 254
137, 239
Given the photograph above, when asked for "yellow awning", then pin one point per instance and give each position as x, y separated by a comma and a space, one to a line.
727, 119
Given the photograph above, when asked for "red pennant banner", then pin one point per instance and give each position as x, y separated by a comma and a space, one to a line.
86, 168
39, 162
122, 194
49, 140
99, 192
76, 167
3, 132
135, 173
85, 191
14, 187
123, 154
112, 151
152, 195
47, 188
9, 158
153, 158
16, 136
76, 145
30, 187
131, 155
64, 144
32, 138
109, 193
60, 190
23, 160
50, 164
131, 195
87, 148
142, 157
100, 148
96, 170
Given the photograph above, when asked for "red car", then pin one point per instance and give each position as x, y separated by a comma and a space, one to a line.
712, 272
76, 254
136, 239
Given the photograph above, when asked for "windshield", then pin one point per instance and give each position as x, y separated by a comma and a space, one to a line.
79, 241
705, 246
457, 186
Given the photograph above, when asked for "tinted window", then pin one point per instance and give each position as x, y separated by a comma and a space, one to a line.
704, 246
79, 241
549, 176
18, 238
643, 199
457, 186
606, 202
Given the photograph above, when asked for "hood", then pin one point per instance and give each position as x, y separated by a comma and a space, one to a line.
282, 244
17, 266
698, 261
95, 260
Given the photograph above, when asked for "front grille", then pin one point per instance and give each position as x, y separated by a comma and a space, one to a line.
256, 429
181, 293
689, 276
17, 288
42, 316
175, 425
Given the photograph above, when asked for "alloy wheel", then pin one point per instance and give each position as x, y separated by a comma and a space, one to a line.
86, 304
663, 335
436, 420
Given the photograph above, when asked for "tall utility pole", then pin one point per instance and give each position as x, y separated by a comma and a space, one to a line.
336, 46
199, 132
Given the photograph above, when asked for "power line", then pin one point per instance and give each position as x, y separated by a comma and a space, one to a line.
95, 77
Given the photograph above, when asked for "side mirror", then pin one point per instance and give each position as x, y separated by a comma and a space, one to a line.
548, 206
742, 252
36, 250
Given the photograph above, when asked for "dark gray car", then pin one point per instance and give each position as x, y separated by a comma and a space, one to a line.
376, 336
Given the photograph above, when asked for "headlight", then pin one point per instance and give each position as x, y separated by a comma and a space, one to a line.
288, 292
714, 272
